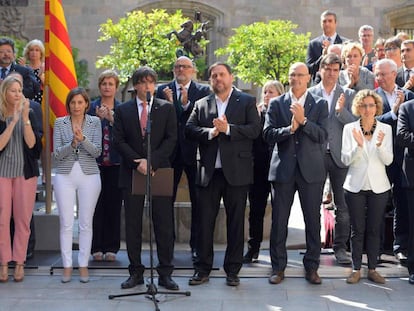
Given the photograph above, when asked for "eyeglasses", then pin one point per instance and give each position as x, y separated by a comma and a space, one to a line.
182, 66
366, 106
391, 49
298, 75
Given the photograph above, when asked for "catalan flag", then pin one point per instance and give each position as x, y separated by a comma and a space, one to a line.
59, 66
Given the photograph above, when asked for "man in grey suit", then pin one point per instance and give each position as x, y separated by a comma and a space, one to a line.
225, 124
318, 46
339, 101
296, 124
393, 97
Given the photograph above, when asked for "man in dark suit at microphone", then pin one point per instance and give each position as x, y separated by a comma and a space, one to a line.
130, 139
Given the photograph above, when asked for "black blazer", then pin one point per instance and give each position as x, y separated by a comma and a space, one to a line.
400, 79
314, 53
130, 144
404, 138
30, 85
236, 148
186, 149
305, 149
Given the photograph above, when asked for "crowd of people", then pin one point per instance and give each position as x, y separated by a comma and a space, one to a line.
344, 121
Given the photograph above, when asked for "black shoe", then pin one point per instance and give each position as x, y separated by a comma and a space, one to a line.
167, 282
29, 255
198, 279
232, 280
250, 256
411, 279
132, 281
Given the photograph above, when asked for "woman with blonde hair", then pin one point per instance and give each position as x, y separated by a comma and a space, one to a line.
20, 148
355, 76
34, 58
367, 149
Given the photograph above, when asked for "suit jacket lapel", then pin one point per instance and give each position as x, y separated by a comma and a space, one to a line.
232, 104
309, 103
386, 104
212, 106
338, 92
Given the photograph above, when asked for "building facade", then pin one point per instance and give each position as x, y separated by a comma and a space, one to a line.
25, 19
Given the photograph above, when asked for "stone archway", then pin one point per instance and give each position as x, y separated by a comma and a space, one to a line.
399, 18
219, 30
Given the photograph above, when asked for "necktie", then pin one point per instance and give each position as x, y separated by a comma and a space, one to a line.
3, 73
407, 75
179, 105
144, 117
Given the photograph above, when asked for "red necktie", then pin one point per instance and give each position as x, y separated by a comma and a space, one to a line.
144, 118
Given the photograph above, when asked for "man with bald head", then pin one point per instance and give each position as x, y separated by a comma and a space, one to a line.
296, 124
183, 92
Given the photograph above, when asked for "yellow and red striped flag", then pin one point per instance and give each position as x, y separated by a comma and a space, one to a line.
59, 66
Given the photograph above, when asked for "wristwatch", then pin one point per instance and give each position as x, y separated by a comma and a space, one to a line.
305, 121
27, 122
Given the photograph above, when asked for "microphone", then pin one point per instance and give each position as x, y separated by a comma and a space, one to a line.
149, 98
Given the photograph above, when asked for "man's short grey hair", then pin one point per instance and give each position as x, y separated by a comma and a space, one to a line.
389, 62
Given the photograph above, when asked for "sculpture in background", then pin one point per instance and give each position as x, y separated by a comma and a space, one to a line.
189, 40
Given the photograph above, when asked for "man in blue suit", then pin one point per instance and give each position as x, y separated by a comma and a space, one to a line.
182, 92
297, 124
393, 97
318, 46
405, 132
339, 101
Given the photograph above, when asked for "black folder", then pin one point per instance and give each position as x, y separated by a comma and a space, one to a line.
161, 183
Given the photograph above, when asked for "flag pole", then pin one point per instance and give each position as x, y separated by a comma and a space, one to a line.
47, 165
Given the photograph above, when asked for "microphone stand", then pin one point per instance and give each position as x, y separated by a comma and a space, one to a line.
152, 290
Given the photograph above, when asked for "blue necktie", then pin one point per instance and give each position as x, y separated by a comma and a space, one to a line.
3, 73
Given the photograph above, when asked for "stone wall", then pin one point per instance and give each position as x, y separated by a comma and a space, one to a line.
84, 17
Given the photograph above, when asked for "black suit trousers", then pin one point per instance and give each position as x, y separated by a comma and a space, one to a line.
163, 229
310, 196
190, 172
234, 198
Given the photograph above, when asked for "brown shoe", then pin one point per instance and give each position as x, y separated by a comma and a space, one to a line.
354, 277
312, 277
4, 273
375, 277
18, 275
277, 277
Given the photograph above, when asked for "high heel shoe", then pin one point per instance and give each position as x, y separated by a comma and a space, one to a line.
18, 275
83, 274
4, 273
67, 275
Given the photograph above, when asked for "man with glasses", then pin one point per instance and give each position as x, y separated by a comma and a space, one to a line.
392, 49
366, 38
393, 96
297, 125
183, 92
405, 74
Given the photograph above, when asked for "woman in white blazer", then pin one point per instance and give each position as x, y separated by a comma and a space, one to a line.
77, 141
367, 150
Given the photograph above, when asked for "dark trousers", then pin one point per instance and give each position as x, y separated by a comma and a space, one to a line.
258, 196
310, 195
190, 172
107, 217
234, 198
410, 259
163, 229
342, 225
366, 210
401, 219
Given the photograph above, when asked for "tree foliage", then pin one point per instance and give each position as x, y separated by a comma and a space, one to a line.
264, 51
141, 39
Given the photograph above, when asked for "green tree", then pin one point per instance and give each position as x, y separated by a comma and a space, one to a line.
141, 39
262, 51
